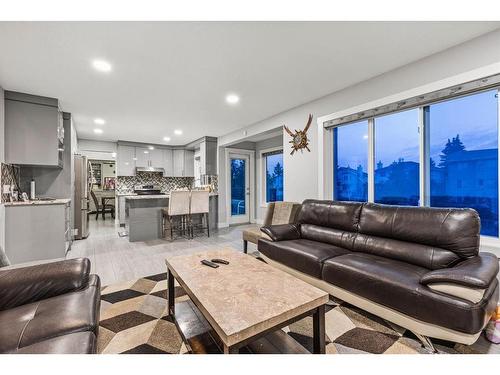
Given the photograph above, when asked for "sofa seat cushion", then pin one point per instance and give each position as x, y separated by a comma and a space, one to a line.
303, 255
74, 343
396, 285
39, 321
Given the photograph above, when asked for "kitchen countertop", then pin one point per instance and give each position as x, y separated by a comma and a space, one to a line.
155, 196
37, 203
152, 196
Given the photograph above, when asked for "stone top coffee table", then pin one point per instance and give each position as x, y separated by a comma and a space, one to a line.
246, 299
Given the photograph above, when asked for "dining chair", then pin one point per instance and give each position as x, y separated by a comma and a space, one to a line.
199, 206
102, 209
178, 208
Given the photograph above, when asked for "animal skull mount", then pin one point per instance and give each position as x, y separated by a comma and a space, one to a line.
299, 138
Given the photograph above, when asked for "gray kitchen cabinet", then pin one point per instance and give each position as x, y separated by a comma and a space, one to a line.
168, 162
156, 158
208, 157
188, 163
178, 163
34, 132
125, 161
183, 163
149, 158
37, 232
142, 157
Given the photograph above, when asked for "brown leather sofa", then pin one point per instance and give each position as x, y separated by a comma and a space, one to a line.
415, 266
51, 308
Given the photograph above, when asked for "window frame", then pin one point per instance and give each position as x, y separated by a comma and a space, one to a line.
424, 162
263, 176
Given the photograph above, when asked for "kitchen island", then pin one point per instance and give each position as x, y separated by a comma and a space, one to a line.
144, 215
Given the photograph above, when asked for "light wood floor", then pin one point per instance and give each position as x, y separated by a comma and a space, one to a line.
115, 259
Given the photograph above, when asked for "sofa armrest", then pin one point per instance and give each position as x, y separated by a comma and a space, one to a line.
20, 286
282, 232
476, 272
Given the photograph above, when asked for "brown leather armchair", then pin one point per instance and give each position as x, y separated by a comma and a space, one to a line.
52, 308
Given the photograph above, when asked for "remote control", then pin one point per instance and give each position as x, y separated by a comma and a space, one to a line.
221, 261
210, 264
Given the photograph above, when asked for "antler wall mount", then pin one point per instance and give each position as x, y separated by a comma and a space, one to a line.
299, 138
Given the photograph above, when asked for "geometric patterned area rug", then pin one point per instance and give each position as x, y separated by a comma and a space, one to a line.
134, 320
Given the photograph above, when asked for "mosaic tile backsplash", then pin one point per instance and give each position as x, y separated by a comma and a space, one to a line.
8, 177
126, 184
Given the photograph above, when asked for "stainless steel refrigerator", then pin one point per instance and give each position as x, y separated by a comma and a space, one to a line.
82, 196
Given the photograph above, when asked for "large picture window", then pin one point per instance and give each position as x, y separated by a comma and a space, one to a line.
458, 139
351, 161
274, 175
464, 155
397, 158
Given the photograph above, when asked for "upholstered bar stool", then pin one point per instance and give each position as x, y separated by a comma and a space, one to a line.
178, 208
277, 213
199, 206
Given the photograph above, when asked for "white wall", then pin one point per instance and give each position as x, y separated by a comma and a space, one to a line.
480, 55
97, 150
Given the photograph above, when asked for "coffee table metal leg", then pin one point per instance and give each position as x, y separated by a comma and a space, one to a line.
231, 350
171, 293
319, 330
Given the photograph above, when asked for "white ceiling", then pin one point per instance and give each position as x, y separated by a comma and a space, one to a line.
175, 75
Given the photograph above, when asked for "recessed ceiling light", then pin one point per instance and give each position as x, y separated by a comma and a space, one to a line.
151, 148
146, 152
99, 121
113, 154
166, 139
178, 132
135, 158
101, 65
232, 99
98, 131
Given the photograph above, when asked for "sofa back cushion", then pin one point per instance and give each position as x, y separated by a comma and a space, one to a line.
330, 214
332, 236
331, 222
443, 233
426, 256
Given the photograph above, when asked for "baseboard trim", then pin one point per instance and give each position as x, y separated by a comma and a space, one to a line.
222, 225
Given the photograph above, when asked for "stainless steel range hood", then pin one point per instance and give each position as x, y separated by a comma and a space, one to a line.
150, 169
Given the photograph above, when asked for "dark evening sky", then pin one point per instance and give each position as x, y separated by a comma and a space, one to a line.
474, 118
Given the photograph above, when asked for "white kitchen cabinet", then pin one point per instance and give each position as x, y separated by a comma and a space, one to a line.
183, 163
125, 161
